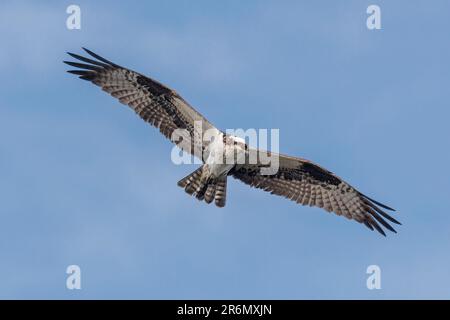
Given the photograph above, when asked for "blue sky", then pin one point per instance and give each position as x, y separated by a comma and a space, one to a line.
84, 181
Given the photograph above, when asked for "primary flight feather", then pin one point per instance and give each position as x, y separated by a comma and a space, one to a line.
296, 179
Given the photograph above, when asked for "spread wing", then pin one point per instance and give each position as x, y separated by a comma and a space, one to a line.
306, 183
155, 103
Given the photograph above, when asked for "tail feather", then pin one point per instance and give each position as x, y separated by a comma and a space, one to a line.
191, 182
205, 189
200, 192
210, 192
220, 196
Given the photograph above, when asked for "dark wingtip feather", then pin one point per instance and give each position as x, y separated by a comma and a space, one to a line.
78, 72
384, 223
90, 68
373, 207
74, 55
85, 75
82, 65
378, 228
368, 225
374, 214
377, 203
384, 214
87, 60
96, 56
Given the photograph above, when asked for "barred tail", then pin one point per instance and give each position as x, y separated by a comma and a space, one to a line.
205, 189
220, 196
192, 182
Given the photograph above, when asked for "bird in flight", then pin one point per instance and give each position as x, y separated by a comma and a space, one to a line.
296, 179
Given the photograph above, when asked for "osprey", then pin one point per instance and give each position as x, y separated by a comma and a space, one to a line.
296, 179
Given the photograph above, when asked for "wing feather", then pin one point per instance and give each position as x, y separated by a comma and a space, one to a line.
154, 102
306, 183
